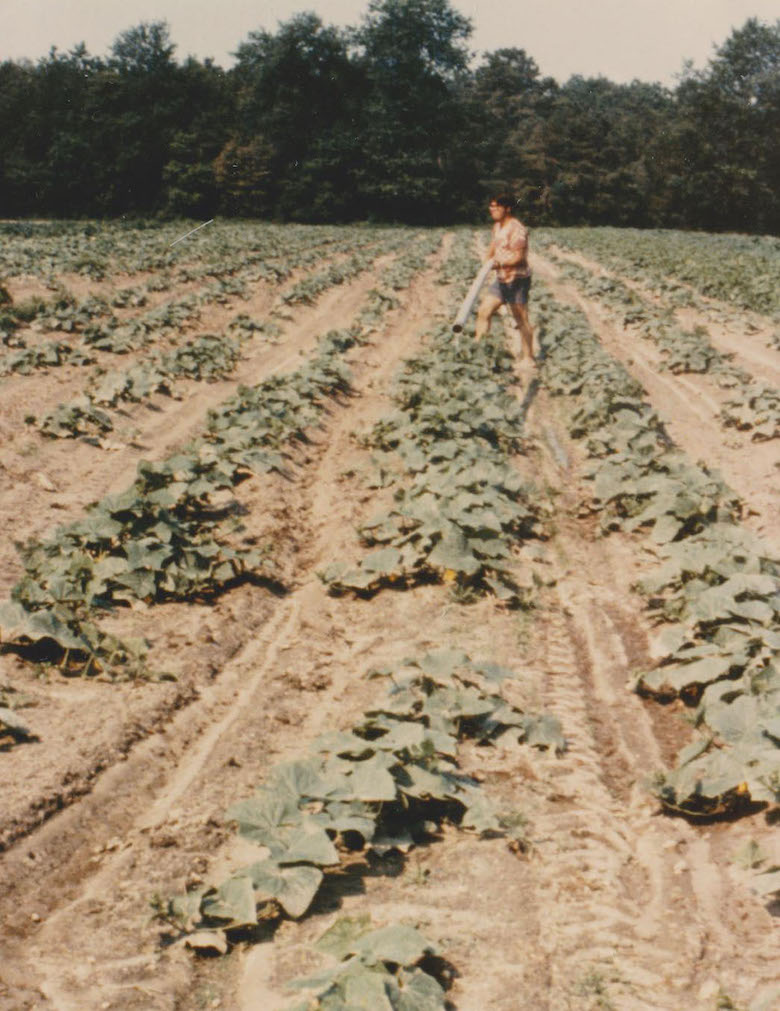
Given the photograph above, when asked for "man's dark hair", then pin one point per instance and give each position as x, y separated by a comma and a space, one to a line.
504, 200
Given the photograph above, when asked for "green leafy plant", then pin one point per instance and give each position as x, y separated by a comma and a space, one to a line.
376, 968
461, 505
385, 784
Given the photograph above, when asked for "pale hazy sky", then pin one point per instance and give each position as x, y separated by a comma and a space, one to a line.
621, 39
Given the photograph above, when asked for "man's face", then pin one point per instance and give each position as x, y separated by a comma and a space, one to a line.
497, 211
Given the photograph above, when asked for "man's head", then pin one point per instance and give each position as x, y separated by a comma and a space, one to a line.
500, 206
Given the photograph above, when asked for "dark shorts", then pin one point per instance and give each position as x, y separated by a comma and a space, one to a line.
512, 292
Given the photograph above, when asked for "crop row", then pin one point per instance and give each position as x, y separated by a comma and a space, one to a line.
266, 261
103, 331
740, 269
206, 358
458, 505
309, 288
718, 590
389, 783
161, 538
164, 538
753, 406
107, 249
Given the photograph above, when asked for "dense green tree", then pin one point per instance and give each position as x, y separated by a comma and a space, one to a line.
208, 109
509, 101
19, 167
299, 89
49, 146
389, 121
244, 178
414, 57
595, 136
145, 105
722, 150
144, 49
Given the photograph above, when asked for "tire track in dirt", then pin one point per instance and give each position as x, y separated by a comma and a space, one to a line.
165, 803
638, 912
689, 413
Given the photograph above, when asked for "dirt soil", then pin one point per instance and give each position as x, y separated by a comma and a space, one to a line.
609, 904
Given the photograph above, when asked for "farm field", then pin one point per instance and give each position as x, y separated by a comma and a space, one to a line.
337, 648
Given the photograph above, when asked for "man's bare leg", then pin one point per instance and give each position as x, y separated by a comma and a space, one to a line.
520, 313
487, 308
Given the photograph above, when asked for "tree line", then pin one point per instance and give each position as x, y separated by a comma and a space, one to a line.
389, 121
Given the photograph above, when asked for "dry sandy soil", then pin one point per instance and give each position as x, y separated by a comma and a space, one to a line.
611, 905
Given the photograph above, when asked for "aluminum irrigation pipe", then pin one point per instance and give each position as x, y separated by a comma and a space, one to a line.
471, 297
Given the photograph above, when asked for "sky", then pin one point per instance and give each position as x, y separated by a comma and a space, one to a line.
623, 40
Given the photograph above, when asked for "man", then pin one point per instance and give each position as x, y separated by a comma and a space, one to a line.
509, 253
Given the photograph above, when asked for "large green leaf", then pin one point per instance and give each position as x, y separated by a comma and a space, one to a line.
301, 778
233, 903
309, 844
366, 991
402, 945
18, 624
418, 991
544, 731
480, 814
372, 781
678, 676
339, 939
452, 552
382, 562
442, 664
260, 817
293, 888
418, 781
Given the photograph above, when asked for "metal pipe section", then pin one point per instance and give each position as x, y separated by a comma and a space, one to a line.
471, 297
